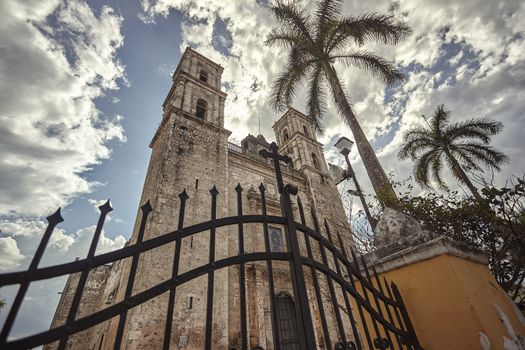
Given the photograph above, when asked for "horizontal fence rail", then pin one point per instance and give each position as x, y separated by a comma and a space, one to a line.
355, 308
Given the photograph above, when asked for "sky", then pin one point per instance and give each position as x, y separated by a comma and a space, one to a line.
82, 84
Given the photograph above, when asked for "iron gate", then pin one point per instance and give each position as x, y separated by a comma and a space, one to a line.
381, 320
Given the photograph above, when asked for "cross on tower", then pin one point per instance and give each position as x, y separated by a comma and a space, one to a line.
277, 158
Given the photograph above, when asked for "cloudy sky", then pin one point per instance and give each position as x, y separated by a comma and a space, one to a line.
82, 83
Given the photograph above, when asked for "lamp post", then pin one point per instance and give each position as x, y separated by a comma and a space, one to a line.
344, 145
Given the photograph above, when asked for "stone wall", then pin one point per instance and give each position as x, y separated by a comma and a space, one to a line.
91, 301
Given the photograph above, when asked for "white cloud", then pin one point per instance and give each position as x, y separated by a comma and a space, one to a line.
62, 246
10, 255
55, 58
17, 246
485, 77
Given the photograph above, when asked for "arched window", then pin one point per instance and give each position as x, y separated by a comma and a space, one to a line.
203, 76
202, 106
315, 161
286, 322
305, 129
285, 134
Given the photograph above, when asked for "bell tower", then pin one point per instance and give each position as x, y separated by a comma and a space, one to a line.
295, 134
196, 89
189, 156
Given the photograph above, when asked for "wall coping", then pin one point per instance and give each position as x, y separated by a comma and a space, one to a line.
440, 245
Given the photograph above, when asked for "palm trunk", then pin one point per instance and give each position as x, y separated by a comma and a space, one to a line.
380, 182
460, 173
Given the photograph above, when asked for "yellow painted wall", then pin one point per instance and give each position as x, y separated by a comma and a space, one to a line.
450, 300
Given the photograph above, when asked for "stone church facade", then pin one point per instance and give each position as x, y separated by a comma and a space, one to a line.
191, 151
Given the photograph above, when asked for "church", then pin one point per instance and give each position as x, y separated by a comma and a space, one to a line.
191, 153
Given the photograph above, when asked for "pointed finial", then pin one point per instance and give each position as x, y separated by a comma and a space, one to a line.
146, 208
238, 188
55, 218
214, 191
262, 188
105, 208
183, 195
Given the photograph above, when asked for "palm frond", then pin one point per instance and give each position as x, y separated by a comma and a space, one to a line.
316, 103
437, 167
416, 132
440, 119
415, 146
483, 153
378, 66
289, 80
282, 37
293, 16
422, 169
327, 13
476, 128
368, 27
463, 159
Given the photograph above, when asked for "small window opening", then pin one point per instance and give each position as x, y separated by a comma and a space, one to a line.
203, 76
190, 303
191, 242
315, 161
202, 106
196, 183
285, 135
276, 241
305, 129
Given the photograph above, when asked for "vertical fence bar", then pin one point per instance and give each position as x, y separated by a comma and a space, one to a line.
302, 306
104, 210
315, 281
333, 296
146, 209
52, 220
404, 313
396, 312
378, 306
211, 274
359, 307
269, 267
351, 278
242, 277
365, 293
387, 307
345, 295
183, 197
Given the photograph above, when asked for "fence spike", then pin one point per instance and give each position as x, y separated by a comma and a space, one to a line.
105, 208
262, 188
55, 218
214, 191
146, 208
238, 188
183, 196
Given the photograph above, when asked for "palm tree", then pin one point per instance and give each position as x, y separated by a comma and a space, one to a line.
461, 146
314, 44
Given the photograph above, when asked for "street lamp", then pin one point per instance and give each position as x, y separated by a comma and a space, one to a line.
344, 145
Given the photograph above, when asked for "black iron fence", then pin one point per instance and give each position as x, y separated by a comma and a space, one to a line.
320, 268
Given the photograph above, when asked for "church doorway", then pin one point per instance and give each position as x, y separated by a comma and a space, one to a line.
287, 322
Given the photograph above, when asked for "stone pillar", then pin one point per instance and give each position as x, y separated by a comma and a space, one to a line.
452, 298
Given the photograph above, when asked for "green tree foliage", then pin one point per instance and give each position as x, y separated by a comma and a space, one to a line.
495, 225
461, 147
315, 42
